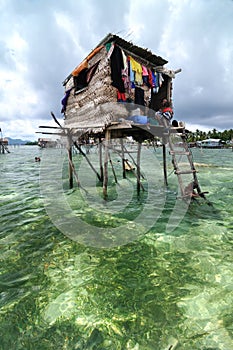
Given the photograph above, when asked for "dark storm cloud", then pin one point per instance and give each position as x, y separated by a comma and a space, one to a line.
42, 41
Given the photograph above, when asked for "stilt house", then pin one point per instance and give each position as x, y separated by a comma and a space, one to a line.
115, 92
115, 72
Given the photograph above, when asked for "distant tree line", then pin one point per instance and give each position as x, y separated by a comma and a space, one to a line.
31, 143
198, 135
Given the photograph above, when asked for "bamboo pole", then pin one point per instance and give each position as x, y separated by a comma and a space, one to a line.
101, 159
74, 171
70, 165
113, 170
105, 178
165, 165
138, 167
123, 159
87, 159
132, 159
133, 172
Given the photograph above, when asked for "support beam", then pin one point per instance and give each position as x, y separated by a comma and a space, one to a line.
138, 167
123, 158
113, 170
165, 165
101, 159
87, 159
69, 150
105, 179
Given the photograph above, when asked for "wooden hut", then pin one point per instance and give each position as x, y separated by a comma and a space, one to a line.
115, 92
115, 71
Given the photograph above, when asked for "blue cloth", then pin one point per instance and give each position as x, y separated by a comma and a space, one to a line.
64, 100
138, 119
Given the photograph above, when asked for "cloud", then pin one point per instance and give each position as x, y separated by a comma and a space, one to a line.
42, 41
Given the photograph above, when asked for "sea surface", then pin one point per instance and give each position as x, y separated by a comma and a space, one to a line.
130, 272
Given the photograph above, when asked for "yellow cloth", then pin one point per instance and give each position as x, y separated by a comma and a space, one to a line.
137, 68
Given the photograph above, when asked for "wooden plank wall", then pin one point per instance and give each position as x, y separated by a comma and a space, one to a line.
83, 108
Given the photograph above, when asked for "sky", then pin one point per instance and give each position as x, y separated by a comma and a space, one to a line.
42, 41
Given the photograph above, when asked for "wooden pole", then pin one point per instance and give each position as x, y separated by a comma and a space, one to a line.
126, 151
138, 167
105, 179
133, 172
87, 159
165, 165
71, 182
101, 159
74, 172
113, 170
123, 159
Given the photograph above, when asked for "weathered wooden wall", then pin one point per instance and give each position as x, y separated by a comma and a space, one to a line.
84, 108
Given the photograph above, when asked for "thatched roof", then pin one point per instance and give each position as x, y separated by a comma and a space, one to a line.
145, 55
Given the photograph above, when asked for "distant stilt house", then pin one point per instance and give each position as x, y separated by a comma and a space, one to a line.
3, 144
211, 143
117, 92
46, 143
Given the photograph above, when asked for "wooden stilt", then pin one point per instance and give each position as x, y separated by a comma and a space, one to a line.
126, 151
70, 165
113, 170
165, 165
74, 172
101, 159
87, 159
123, 159
138, 167
105, 178
132, 171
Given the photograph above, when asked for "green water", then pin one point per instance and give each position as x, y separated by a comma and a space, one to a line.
161, 290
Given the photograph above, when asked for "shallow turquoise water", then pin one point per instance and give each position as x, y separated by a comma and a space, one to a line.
160, 290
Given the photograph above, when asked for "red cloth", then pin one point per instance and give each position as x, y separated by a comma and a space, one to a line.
121, 96
167, 109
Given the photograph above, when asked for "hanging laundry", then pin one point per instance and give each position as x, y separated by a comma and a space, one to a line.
131, 74
80, 81
84, 77
121, 96
160, 79
155, 82
84, 63
139, 96
117, 65
91, 71
64, 101
145, 76
109, 48
125, 73
137, 68
150, 78
144, 71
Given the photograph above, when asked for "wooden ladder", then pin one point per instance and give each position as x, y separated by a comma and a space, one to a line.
192, 189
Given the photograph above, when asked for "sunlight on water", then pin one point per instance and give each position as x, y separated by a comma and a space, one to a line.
161, 290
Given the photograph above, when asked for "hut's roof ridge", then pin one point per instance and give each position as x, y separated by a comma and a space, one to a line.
145, 54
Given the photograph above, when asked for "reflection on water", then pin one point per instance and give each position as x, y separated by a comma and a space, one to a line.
161, 291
